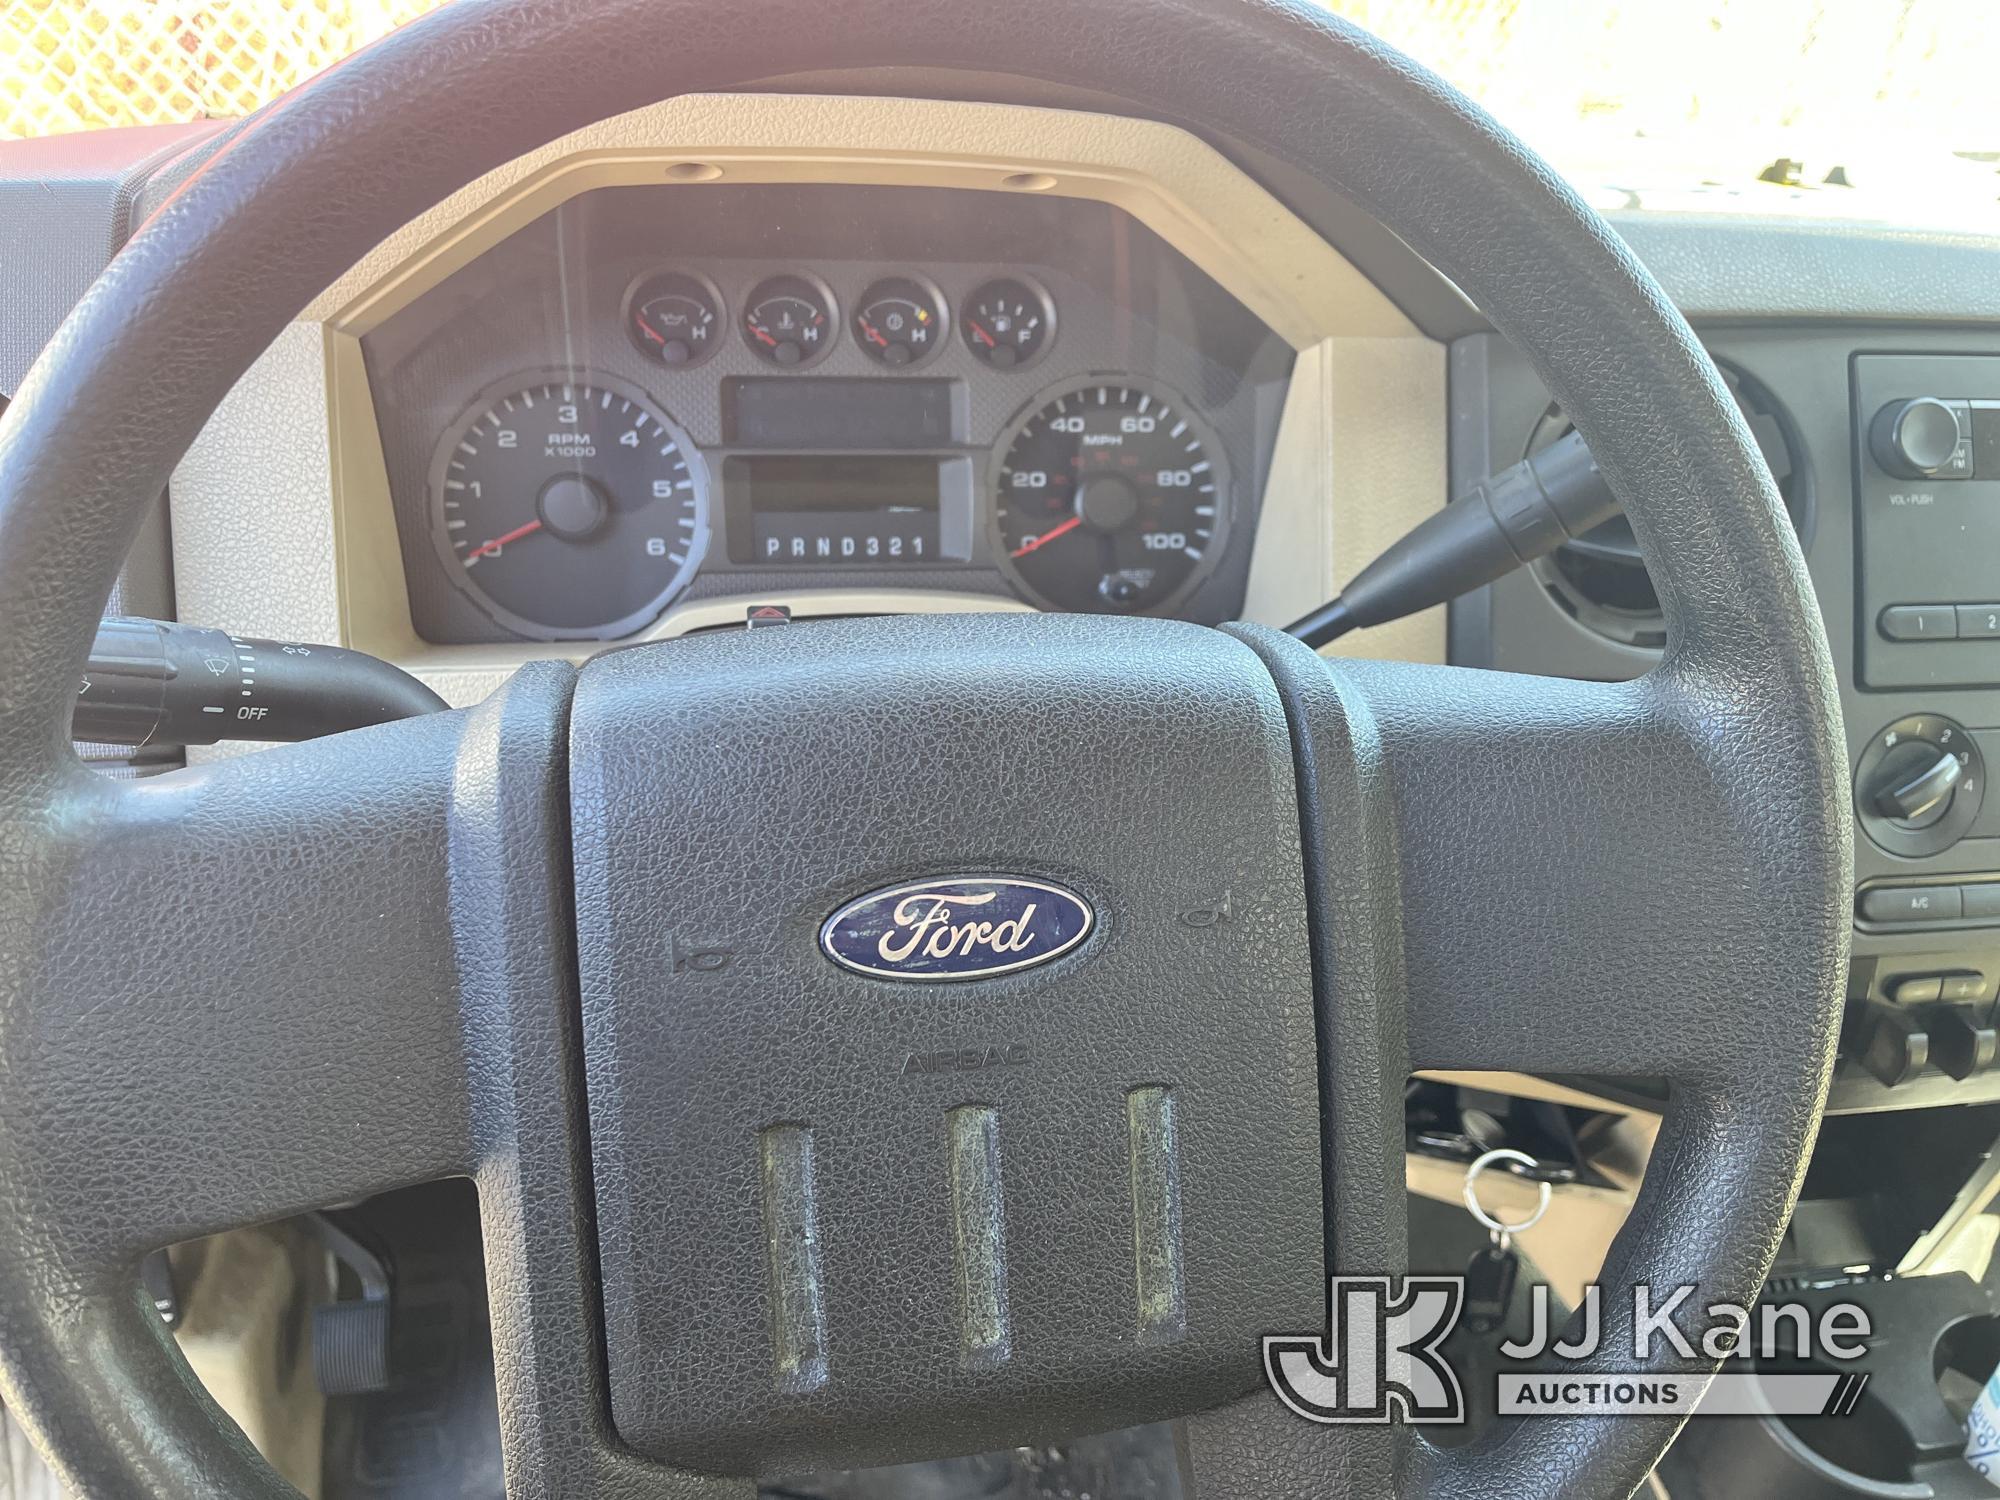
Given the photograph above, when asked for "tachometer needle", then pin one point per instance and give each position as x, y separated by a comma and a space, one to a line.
1046, 537
485, 549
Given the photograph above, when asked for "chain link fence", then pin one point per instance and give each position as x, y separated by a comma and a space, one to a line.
1726, 83
84, 64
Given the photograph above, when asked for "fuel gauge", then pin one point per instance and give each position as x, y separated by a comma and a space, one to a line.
900, 321
1008, 322
675, 318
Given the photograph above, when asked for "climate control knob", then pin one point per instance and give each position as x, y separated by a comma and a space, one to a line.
1919, 785
1916, 438
1921, 790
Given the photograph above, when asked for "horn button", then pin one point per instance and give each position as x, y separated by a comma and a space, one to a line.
853, 1213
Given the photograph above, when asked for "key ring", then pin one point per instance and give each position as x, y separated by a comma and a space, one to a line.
1502, 1232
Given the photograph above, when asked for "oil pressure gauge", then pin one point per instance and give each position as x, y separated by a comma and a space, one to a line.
676, 318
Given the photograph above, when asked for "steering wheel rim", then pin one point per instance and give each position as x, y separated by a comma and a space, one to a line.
1737, 732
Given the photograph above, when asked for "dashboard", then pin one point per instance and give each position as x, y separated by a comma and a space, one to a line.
813, 471
1886, 446
777, 356
624, 404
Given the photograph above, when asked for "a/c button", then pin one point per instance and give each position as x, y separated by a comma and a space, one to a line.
1911, 903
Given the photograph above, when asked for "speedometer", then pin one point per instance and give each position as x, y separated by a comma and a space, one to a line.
569, 507
1110, 496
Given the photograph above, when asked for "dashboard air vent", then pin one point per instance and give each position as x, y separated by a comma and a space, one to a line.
1599, 579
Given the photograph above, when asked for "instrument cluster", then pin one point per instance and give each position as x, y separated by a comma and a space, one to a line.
793, 320
717, 421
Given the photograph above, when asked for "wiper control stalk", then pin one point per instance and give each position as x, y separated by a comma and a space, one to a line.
1520, 514
153, 682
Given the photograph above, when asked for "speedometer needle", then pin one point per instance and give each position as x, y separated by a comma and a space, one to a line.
1046, 537
485, 549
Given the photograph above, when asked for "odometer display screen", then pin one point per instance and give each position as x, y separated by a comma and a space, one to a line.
1109, 497
820, 511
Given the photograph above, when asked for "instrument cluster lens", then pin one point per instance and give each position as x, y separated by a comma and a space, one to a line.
789, 321
1108, 498
900, 322
569, 507
1008, 322
675, 318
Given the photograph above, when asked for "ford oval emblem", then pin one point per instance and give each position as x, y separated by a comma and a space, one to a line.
956, 927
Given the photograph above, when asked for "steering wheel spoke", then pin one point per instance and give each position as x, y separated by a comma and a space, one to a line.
241, 1001
1511, 873
1593, 878
1586, 876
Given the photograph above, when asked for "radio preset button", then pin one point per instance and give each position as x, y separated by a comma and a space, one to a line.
1977, 622
1920, 622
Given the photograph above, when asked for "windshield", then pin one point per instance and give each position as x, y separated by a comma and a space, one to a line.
1877, 110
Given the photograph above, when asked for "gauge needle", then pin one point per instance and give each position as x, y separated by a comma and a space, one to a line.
484, 548
980, 333
760, 333
1046, 537
650, 332
869, 329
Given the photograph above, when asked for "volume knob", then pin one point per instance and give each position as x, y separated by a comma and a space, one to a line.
1914, 439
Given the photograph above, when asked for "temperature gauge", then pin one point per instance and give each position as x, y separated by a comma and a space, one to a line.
790, 320
676, 318
900, 321
1008, 323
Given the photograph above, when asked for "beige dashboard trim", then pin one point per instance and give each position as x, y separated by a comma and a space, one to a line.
281, 510
1183, 189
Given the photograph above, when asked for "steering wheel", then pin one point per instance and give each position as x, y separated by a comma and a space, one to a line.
565, 942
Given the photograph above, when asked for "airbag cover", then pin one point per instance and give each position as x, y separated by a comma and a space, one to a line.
847, 1218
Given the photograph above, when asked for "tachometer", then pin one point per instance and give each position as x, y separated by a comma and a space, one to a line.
1110, 495
569, 508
